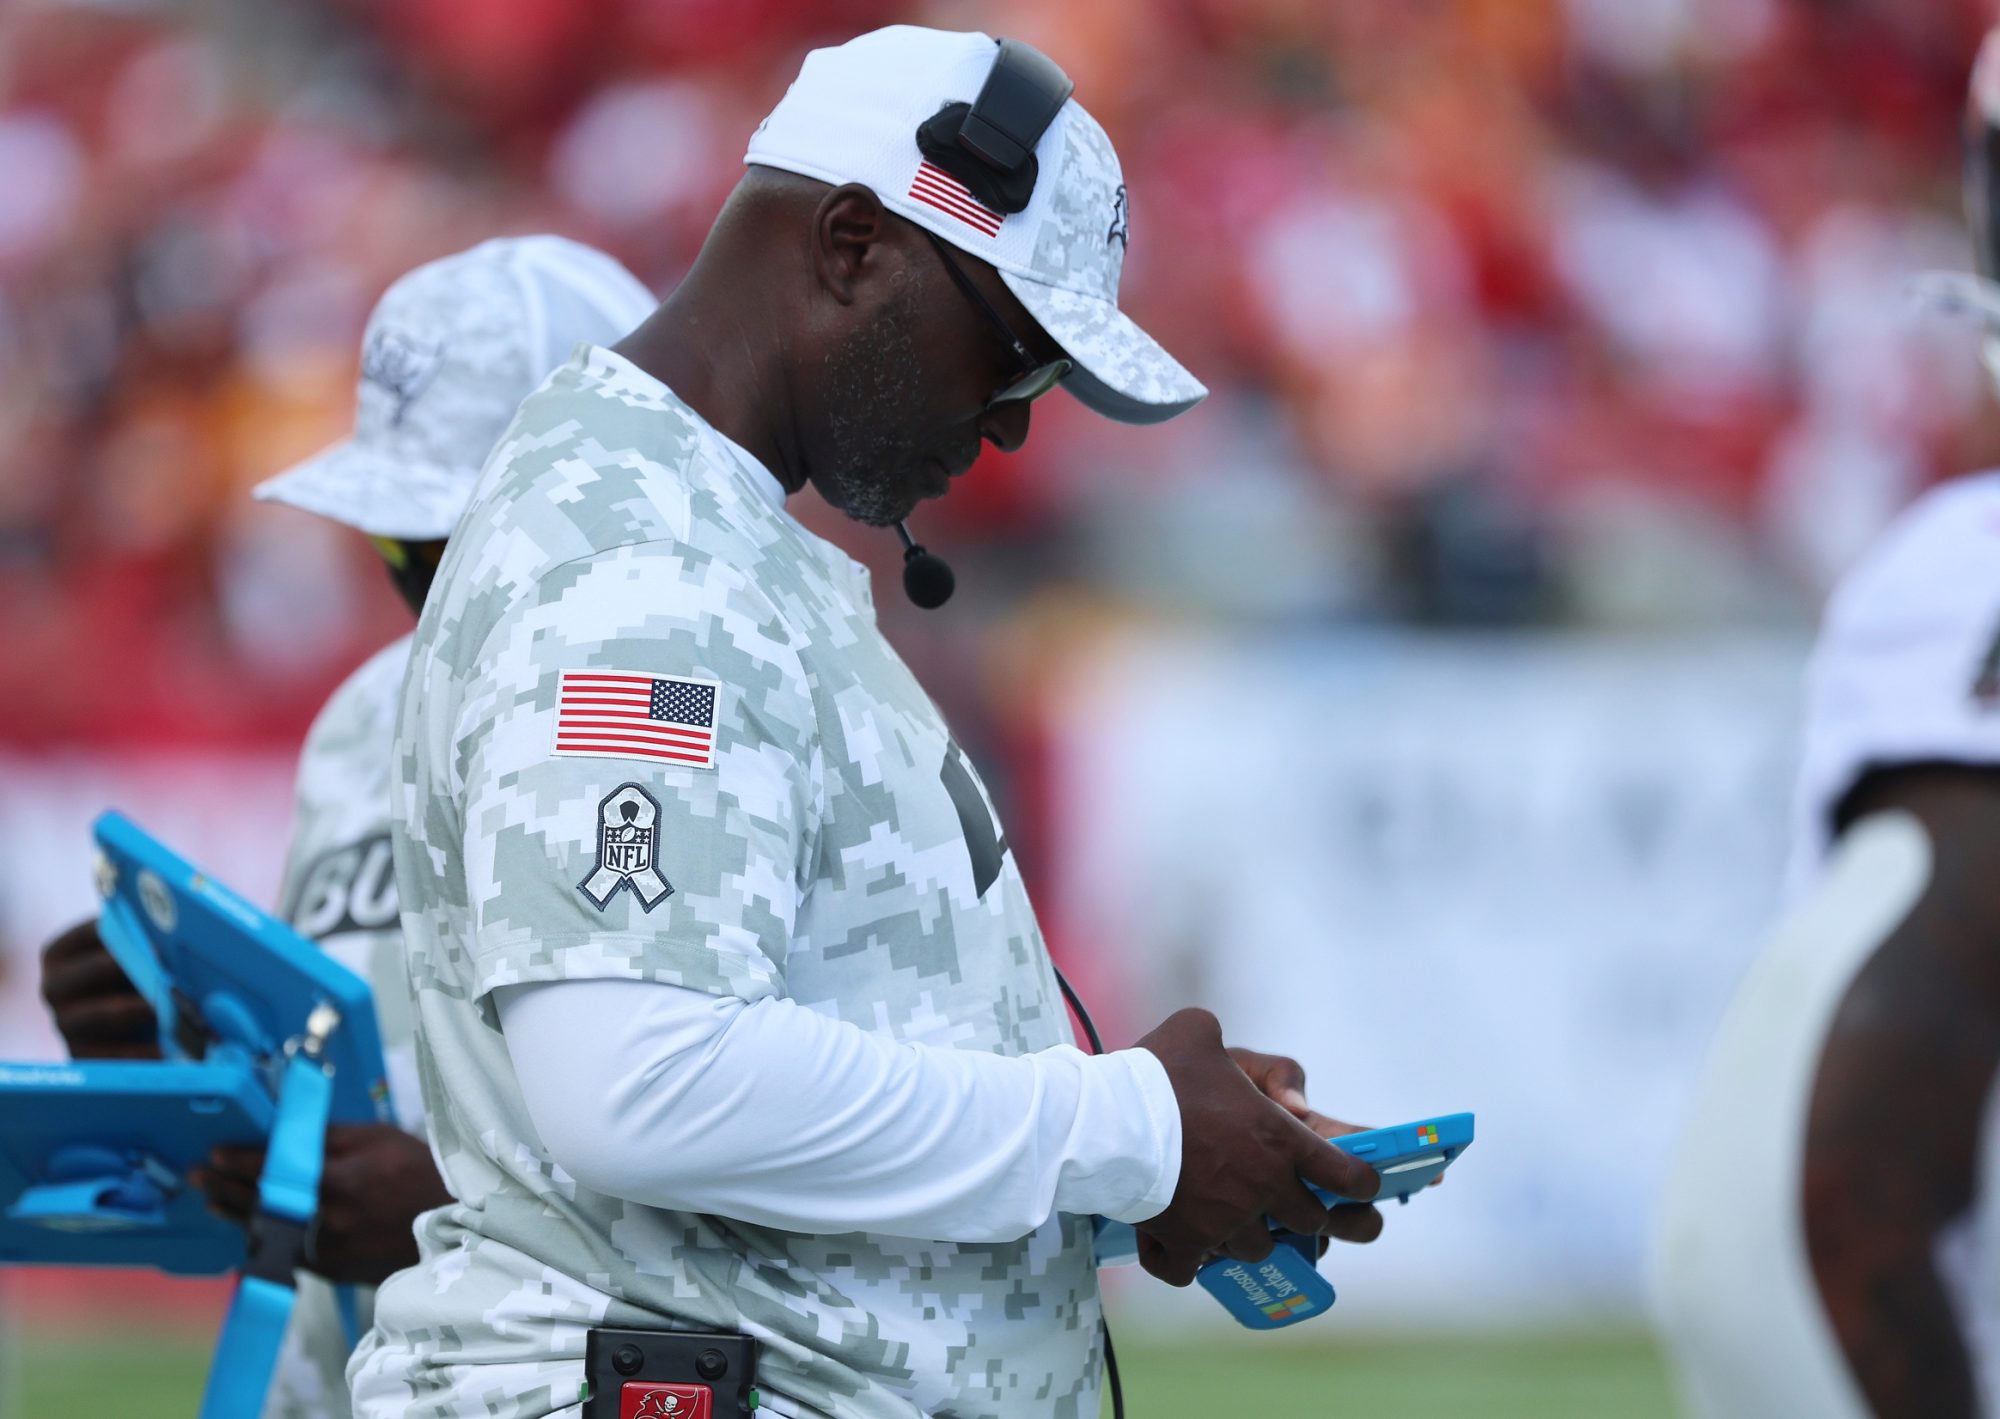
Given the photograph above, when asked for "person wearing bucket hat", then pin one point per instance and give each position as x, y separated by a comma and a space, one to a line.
450, 350
734, 1013
1844, 1261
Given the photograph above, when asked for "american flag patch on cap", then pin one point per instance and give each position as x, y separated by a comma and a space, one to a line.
934, 187
618, 714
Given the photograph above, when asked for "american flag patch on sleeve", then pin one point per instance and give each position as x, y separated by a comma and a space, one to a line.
617, 714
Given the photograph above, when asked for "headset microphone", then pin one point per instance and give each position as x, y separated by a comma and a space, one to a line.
927, 580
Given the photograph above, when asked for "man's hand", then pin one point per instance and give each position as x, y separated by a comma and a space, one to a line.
97, 1010
1284, 1080
377, 1179
1242, 1158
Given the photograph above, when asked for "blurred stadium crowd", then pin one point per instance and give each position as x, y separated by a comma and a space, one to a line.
1516, 311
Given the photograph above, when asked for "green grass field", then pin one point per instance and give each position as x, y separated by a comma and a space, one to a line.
1602, 1377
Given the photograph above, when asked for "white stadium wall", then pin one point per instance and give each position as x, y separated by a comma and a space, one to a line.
1515, 876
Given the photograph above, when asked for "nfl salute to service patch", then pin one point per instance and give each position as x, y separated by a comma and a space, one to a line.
628, 849
619, 714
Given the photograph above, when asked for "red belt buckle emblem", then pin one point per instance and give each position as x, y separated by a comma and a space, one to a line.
646, 1399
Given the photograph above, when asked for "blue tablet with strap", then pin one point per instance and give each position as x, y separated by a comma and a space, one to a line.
1286, 1287
266, 1040
94, 1160
226, 978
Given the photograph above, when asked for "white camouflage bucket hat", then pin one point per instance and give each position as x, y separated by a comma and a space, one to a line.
451, 350
852, 116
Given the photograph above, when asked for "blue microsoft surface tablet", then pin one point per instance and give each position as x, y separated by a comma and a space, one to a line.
1408, 1157
1286, 1287
94, 1160
94, 1154
227, 978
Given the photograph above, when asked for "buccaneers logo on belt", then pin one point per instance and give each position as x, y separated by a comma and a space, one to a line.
628, 849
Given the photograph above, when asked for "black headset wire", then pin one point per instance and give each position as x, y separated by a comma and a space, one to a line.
1103, 1320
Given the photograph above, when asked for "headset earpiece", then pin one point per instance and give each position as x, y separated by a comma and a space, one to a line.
989, 144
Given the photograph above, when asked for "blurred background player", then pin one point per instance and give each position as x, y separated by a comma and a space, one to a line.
1826, 1245
451, 349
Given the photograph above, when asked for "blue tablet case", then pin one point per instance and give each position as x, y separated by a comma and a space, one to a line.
227, 978
93, 1154
94, 1160
1408, 1157
1286, 1287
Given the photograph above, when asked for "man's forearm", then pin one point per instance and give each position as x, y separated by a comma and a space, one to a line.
1890, 1142
1893, 1129
776, 1115
1897, 1328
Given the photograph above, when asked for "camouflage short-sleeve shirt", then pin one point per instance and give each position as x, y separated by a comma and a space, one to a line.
652, 731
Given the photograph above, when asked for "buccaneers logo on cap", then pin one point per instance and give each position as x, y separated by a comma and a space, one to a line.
401, 366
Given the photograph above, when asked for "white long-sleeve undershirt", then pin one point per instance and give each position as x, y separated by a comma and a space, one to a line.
774, 1114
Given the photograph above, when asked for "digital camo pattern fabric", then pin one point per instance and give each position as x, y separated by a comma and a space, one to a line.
339, 889
1071, 285
1080, 241
339, 886
820, 857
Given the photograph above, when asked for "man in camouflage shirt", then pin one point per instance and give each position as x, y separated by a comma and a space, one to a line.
732, 1009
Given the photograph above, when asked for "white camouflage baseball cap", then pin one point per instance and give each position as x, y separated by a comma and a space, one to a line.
1907, 666
852, 116
451, 350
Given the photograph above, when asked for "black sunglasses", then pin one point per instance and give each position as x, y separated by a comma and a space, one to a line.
1037, 377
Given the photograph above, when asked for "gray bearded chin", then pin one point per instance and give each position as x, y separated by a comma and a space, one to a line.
870, 388
865, 496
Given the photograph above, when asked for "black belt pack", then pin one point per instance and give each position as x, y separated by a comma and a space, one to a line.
669, 1374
